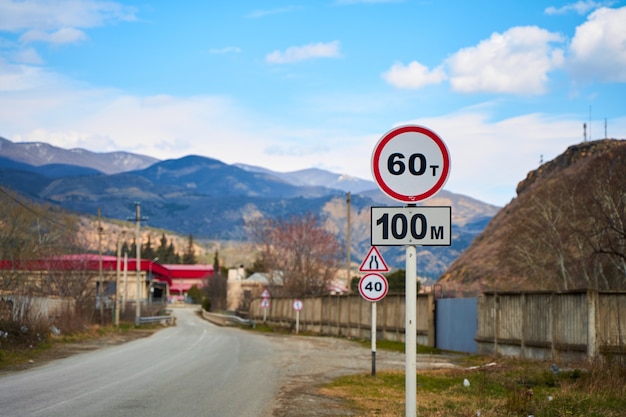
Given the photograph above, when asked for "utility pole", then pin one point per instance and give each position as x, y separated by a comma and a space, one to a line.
138, 220
117, 278
348, 269
100, 280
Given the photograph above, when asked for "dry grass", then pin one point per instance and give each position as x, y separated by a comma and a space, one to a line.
510, 388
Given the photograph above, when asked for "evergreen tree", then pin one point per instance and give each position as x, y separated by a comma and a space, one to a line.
161, 251
125, 248
189, 257
216, 264
171, 255
147, 252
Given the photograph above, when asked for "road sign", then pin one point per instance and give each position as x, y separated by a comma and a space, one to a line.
423, 225
265, 294
297, 305
410, 163
373, 287
373, 262
265, 303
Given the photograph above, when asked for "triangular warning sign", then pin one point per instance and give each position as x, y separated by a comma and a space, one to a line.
373, 262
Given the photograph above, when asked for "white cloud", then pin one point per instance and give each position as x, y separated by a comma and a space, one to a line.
598, 49
489, 157
27, 56
414, 75
302, 53
225, 50
347, 2
52, 15
268, 12
61, 36
516, 61
581, 7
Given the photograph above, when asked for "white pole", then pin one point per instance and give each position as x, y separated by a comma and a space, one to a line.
297, 321
373, 339
411, 331
125, 282
138, 263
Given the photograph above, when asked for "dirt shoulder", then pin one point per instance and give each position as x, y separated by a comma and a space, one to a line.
307, 363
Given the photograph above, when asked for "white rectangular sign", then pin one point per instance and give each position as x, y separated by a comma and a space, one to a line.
423, 225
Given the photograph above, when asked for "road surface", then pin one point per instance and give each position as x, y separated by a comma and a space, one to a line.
192, 369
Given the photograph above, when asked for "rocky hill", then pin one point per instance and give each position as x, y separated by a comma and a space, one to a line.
566, 229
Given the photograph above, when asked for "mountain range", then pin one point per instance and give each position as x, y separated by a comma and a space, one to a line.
212, 200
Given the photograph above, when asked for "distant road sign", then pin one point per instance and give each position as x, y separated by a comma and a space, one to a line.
373, 287
297, 305
410, 163
373, 262
265, 294
265, 303
423, 225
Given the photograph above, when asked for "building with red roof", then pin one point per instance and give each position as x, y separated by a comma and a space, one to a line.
156, 281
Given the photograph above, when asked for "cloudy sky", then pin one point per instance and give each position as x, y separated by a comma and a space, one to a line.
289, 85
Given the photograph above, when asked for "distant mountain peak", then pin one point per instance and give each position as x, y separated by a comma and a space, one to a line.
40, 153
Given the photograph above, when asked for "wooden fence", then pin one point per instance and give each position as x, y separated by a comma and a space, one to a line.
351, 316
552, 325
541, 325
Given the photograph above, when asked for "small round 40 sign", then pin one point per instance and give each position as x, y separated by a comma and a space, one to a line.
410, 163
373, 287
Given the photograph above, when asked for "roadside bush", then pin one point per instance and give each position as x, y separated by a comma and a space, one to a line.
17, 335
206, 304
195, 294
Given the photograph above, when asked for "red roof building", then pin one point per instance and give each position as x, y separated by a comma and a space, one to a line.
156, 280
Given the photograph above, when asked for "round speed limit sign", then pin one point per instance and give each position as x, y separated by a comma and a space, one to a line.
410, 163
373, 287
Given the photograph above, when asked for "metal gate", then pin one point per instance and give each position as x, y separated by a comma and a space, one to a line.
456, 324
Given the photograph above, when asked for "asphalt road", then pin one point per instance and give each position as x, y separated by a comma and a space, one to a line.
192, 369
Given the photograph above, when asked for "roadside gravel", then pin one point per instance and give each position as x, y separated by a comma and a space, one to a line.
306, 363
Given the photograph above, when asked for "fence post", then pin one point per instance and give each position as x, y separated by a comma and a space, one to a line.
524, 309
431, 311
496, 306
592, 334
553, 326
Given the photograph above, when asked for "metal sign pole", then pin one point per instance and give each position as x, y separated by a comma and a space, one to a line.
373, 339
411, 332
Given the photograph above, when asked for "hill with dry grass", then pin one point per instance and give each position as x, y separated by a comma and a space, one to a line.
566, 229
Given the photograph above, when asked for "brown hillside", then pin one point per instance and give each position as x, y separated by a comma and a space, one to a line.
564, 230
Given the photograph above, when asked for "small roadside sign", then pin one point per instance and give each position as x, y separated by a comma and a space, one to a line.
265, 303
373, 287
265, 294
373, 262
297, 305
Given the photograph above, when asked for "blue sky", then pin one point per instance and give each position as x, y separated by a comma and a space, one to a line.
289, 85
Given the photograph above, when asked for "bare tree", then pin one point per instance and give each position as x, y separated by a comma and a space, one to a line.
29, 232
302, 257
575, 229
